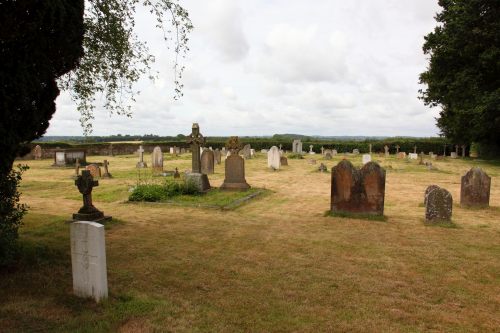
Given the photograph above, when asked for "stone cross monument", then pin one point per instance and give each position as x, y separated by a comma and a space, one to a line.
196, 140
141, 163
88, 212
397, 149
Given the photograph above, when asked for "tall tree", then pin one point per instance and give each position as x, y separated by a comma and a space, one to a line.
463, 76
88, 47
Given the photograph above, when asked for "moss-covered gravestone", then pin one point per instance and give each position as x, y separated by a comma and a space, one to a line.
475, 188
439, 204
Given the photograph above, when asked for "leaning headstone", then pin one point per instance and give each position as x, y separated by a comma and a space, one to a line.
439, 205
141, 163
106, 173
217, 156
283, 160
37, 152
94, 169
207, 162
234, 177
475, 188
367, 158
157, 160
358, 191
88, 260
88, 212
273, 158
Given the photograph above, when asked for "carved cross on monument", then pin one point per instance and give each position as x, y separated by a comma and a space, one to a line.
85, 183
195, 139
397, 149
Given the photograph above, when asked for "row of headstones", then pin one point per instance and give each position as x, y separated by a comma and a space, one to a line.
363, 191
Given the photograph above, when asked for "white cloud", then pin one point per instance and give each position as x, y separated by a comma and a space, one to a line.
331, 67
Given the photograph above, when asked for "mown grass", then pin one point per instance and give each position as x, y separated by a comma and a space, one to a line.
274, 265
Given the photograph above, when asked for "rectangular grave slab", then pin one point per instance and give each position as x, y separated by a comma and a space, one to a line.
88, 260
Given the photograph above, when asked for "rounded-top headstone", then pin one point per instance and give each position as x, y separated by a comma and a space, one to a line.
274, 158
475, 188
439, 205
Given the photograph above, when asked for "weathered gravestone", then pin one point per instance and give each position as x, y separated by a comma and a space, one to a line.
412, 156
386, 150
207, 162
234, 178
439, 204
334, 152
397, 149
273, 158
246, 152
453, 154
355, 151
366, 158
196, 177
475, 188
88, 212
283, 160
297, 146
328, 154
141, 163
311, 149
37, 152
88, 260
427, 191
358, 191
94, 169
217, 156
252, 152
157, 160
106, 173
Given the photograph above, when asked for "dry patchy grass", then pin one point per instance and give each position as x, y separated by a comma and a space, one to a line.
274, 264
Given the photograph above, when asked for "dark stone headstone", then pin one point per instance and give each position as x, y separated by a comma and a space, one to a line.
235, 174
207, 162
358, 191
475, 188
283, 160
427, 191
195, 139
88, 212
439, 205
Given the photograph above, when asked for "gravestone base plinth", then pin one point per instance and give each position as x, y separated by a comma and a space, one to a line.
234, 186
200, 180
92, 217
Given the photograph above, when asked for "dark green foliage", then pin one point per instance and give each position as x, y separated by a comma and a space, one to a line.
463, 77
39, 42
11, 213
159, 192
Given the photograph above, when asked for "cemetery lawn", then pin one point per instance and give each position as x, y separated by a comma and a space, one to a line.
277, 263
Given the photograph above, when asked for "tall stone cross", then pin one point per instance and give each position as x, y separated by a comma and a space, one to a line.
311, 148
397, 149
281, 146
85, 184
195, 139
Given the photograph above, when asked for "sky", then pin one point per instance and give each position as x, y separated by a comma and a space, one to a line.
262, 67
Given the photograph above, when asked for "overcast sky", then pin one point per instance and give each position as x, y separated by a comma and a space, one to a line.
319, 67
